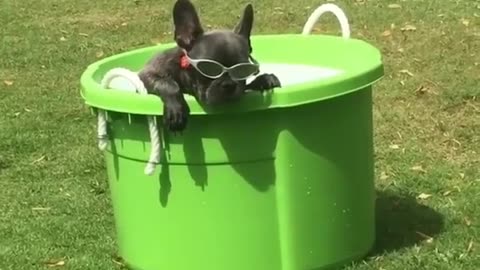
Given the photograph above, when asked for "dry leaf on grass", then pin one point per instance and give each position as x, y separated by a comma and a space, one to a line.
446, 193
41, 208
421, 90
394, 6
467, 221
394, 146
383, 176
63, 39
55, 263
470, 247
424, 196
386, 33
118, 261
378, 258
8, 83
406, 71
99, 54
39, 159
409, 27
156, 40
428, 238
418, 168
465, 22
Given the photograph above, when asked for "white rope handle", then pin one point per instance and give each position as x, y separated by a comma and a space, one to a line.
139, 87
338, 12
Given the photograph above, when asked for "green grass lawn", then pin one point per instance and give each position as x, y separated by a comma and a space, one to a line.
54, 200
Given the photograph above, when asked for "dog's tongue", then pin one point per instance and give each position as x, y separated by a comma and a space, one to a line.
184, 64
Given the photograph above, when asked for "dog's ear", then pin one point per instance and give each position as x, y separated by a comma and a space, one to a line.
187, 24
244, 27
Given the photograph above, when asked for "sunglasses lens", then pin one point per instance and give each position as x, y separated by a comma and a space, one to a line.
243, 71
209, 68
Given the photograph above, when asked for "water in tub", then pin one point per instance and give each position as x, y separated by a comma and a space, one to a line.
288, 74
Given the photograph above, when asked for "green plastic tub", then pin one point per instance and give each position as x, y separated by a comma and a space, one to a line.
280, 181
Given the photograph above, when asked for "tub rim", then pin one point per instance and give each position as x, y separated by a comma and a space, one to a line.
351, 80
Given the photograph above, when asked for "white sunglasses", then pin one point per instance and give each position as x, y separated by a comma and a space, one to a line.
214, 70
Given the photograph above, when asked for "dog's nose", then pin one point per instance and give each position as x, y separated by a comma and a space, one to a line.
228, 85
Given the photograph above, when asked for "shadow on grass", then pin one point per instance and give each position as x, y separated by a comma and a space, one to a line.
402, 222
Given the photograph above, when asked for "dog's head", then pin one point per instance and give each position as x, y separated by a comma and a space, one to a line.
205, 51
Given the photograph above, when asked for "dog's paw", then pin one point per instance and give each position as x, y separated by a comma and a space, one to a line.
175, 116
265, 82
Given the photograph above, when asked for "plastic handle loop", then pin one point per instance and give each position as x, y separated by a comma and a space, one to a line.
139, 87
338, 12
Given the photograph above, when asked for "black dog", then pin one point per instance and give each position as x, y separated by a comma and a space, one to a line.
188, 68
